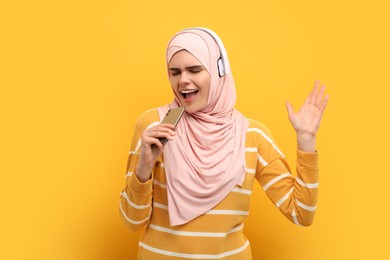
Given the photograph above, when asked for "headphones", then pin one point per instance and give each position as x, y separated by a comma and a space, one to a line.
223, 62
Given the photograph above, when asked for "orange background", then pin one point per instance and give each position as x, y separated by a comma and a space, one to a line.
75, 75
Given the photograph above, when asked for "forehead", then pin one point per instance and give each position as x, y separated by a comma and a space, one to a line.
183, 58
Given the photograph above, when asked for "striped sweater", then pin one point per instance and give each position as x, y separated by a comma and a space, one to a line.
218, 234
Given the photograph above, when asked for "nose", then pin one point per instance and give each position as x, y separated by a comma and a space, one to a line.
184, 79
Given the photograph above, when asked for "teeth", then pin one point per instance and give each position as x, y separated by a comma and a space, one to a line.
188, 91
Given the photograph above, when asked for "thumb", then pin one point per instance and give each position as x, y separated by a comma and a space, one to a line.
289, 108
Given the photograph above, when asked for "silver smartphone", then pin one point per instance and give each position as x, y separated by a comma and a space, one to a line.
172, 117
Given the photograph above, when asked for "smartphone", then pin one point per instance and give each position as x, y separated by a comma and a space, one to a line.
172, 117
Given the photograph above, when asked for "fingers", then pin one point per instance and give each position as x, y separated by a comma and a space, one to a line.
313, 94
151, 146
316, 96
323, 106
162, 131
320, 97
148, 142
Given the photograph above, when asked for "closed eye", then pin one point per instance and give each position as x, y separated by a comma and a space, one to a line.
195, 69
174, 71
192, 69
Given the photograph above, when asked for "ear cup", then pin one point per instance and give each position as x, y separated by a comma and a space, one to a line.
221, 67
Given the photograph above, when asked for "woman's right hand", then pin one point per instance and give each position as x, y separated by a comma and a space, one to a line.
151, 148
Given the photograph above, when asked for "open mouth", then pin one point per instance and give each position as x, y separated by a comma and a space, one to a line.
187, 94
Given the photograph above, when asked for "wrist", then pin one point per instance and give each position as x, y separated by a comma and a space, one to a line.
306, 142
143, 173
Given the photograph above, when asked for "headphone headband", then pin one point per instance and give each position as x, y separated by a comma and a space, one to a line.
223, 62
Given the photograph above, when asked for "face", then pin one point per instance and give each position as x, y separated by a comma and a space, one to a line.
190, 80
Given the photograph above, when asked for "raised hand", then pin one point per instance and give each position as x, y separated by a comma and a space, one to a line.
306, 121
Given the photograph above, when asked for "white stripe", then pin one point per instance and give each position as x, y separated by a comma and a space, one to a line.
134, 222
294, 215
124, 194
162, 186
252, 129
276, 179
160, 206
195, 234
248, 192
307, 185
133, 152
139, 141
251, 149
194, 256
261, 160
284, 198
251, 171
308, 208
227, 212
210, 212
129, 174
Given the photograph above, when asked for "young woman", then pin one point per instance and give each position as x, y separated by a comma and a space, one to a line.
192, 193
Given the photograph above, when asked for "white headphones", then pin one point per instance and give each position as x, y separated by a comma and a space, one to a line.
223, 62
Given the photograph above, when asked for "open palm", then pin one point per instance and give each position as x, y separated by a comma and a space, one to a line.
306, 120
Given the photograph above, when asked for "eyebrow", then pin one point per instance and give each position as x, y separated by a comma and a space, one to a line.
188, 68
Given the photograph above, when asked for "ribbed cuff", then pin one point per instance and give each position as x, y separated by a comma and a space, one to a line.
140, 187
308, 160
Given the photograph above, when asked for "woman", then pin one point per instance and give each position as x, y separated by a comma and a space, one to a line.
192, 193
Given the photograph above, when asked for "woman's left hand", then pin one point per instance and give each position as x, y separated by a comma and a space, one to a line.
306, 121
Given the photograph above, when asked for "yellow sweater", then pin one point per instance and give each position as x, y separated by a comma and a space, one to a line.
218, 234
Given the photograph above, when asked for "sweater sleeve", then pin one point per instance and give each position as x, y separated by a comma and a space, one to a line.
295, 196
135, 204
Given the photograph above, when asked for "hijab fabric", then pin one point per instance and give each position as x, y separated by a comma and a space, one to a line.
206, 159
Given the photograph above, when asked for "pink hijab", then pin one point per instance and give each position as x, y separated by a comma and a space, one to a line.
206, 160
